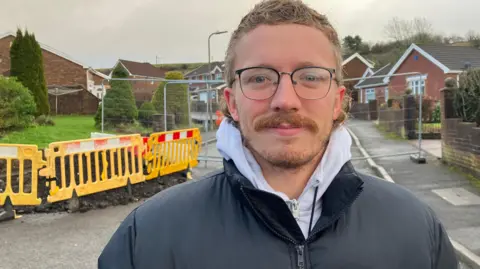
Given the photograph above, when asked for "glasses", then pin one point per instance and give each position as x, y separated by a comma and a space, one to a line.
260, 83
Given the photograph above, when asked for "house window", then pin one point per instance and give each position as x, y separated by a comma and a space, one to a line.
417, 84
218, 76
369, 95
386, 93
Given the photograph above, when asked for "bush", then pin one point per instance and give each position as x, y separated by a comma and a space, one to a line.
467, 97
119, 102
177, 98
145, 114
17, 105
44, 121
436, 114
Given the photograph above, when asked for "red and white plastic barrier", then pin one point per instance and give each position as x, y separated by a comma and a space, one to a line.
98, 144
175, 136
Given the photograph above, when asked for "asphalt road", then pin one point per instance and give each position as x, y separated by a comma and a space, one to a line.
74, 241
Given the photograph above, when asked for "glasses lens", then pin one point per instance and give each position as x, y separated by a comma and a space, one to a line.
258, 83
312, 83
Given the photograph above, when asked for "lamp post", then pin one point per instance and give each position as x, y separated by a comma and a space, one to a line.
209, 113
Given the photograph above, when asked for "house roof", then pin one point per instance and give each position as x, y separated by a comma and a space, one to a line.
203, 69
105, 71
374, 81
450, 59
141, 69
360, 57
454, 57
49, 49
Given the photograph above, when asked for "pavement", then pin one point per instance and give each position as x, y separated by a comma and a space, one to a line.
59, 240
450, 194
64, 241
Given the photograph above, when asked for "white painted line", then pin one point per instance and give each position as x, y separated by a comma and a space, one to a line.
8, 152
465, 255
370, 161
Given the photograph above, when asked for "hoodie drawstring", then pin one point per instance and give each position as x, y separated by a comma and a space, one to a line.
313, 211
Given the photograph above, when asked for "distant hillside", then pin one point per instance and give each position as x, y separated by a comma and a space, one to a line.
182, 67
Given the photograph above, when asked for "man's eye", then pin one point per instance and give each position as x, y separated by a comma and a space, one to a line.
258, 79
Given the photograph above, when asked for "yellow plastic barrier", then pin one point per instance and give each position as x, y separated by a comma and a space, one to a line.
18, 164
173, 151
93, 165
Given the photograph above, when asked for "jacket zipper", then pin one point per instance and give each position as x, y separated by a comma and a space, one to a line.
300, 257
299, 248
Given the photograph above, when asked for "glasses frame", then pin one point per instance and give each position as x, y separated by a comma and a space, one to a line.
279, 75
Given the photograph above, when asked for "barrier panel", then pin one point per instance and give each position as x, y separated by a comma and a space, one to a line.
172, 151
93, 165
19, 165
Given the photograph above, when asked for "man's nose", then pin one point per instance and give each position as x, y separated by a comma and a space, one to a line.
285, 98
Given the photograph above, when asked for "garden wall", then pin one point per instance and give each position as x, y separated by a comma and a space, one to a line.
460, 140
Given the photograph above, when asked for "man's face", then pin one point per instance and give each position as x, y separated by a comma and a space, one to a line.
284, 130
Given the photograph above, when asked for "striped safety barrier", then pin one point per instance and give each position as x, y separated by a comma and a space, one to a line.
93, 165
19, 165
173, 151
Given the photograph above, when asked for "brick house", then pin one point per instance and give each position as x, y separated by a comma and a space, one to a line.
435, 62
143, 90
373, 87
60, 70
355, 66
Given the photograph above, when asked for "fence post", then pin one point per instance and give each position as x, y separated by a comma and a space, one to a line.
446, 110
409, 116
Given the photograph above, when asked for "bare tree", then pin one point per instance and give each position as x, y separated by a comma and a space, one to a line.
418, 30
398, 29
472, 36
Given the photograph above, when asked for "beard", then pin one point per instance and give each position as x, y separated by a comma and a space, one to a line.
291, 156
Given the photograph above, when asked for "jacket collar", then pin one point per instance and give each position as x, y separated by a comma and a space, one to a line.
340, 195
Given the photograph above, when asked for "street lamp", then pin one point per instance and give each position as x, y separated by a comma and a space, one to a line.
208, 85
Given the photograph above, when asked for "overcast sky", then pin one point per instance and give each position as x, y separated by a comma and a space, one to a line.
98, 32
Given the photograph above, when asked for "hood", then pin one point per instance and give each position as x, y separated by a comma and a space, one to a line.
337, 153
230, 146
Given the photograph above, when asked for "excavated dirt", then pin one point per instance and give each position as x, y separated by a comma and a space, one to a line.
105, 199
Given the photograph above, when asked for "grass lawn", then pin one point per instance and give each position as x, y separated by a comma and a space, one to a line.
66, 128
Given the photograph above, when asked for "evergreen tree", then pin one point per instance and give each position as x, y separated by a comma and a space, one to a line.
27, 65
119, 102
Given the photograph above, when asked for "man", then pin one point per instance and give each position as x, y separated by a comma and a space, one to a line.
288, 196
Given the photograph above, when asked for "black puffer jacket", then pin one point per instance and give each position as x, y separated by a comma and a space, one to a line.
223, 222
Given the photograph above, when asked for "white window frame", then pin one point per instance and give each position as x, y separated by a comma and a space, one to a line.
386, 94
369, 93
417, 84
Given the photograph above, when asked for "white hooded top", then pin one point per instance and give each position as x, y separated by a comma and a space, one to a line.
337, 153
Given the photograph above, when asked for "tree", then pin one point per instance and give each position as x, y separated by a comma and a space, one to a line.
119, 102
27, 66
17, 106
177, 98
474, 38
419, 31
354, 44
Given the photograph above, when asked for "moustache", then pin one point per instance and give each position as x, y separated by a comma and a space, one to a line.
292, 119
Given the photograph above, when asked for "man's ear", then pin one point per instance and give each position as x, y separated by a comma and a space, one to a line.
339, 99
229, 95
